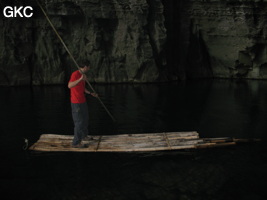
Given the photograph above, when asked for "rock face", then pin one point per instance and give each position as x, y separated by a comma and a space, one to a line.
233, 33
124, 41
135, 40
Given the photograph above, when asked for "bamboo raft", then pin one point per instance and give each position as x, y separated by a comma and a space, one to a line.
133, 142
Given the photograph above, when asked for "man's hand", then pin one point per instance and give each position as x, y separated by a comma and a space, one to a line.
83, 77
94, 94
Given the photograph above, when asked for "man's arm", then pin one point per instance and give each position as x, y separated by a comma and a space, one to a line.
87, 91
93, 94
74, 83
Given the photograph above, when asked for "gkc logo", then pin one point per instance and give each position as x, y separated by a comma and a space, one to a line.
18, 12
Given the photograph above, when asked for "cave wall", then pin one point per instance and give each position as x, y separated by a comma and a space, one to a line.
135, 41
234, 33
124, 41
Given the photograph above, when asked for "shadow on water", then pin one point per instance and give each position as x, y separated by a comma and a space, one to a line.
213, 108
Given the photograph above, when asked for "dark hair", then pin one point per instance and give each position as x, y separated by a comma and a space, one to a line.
84, 63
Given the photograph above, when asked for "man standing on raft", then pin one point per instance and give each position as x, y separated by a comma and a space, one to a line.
79, 106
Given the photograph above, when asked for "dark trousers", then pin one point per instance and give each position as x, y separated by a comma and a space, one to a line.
80, 119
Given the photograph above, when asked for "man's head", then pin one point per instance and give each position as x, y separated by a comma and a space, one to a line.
85, 66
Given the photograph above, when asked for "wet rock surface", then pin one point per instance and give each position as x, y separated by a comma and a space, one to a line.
135, 41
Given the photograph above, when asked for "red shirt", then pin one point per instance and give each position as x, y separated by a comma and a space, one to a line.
77, 92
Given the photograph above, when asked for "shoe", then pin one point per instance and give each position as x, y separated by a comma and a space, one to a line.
88, 138
80, 146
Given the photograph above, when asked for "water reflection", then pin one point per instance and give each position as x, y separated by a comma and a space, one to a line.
213, 108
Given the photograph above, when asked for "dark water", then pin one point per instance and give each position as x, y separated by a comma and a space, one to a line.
216, 108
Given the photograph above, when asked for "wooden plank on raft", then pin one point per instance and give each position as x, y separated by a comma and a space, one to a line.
132, 142
119, 143
167, 141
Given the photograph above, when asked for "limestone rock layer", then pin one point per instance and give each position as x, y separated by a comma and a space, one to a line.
134, 40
